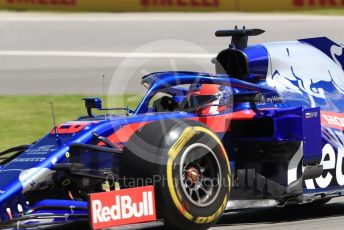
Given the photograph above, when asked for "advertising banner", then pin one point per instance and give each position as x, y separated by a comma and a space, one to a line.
169, 5
120, 5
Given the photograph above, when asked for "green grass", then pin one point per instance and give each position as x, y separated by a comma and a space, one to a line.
24, 119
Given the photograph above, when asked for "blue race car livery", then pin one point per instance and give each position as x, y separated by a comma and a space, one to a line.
265, 130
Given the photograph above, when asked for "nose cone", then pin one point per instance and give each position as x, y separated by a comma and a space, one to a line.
8, 177
10, 194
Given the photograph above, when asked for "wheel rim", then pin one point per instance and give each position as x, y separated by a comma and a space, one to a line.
200, 174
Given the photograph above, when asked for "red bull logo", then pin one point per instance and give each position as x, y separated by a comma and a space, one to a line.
122, 207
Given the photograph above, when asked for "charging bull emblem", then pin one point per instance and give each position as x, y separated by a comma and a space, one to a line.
319, 79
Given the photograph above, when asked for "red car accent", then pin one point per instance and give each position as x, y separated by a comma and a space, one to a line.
72, 127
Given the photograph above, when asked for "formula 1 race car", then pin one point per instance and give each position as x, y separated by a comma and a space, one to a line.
265, 131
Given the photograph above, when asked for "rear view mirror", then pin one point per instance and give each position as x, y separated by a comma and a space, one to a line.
92, 103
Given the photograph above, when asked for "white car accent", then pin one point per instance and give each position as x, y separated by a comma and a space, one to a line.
294, 164
292, 70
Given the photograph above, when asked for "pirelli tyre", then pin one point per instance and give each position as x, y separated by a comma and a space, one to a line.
320, 202
189, 167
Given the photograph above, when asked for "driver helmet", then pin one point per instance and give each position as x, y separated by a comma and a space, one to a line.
219, 106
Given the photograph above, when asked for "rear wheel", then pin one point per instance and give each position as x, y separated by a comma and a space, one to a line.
189, 168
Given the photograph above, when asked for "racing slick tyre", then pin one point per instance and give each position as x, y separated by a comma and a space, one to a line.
320, 202
189, 167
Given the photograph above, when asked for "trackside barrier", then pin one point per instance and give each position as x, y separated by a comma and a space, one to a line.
169, 5
275, 5
120, 5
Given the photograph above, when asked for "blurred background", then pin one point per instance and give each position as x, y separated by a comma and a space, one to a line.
63, 50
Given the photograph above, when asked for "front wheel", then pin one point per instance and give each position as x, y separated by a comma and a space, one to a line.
320, 202
189, 168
